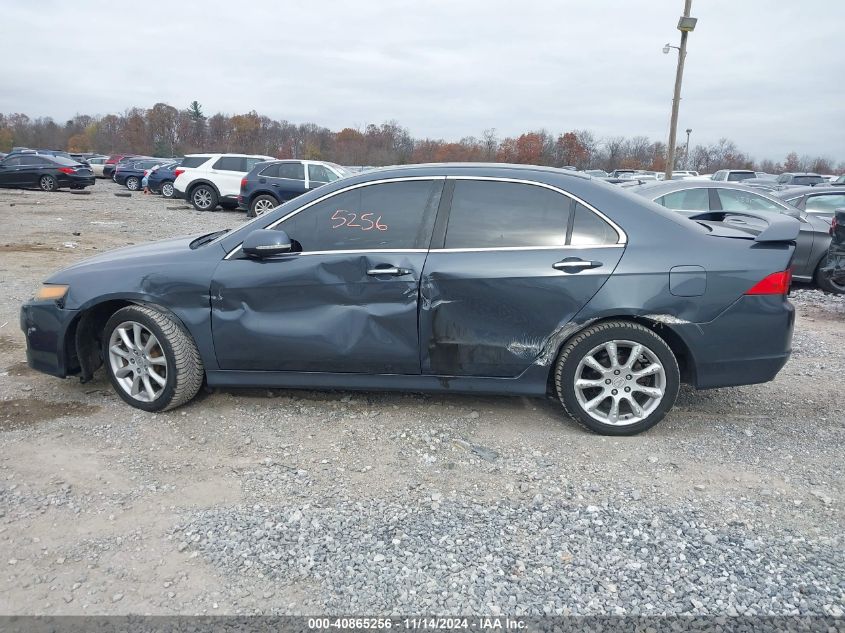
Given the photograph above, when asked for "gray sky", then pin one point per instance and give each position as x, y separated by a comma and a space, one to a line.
763, 73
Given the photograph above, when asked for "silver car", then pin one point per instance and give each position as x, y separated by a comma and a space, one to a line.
692, 197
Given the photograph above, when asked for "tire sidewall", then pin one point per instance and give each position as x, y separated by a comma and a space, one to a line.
164, 187
565, 377
132, 314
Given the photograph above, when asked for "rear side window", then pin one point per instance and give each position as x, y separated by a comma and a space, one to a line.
807, 180
292, 171
825, 204
387, 216
34, 160
194, 161
736, 200
588, 229
488, 214
320, 173
271, 171
230, 163
686, 200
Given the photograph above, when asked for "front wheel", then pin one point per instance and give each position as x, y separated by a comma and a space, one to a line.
152, 363
617, 378
47, 183
167, 189
825, 281
204, 198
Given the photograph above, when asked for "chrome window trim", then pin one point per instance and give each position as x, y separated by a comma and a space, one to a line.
231, 253
621, 236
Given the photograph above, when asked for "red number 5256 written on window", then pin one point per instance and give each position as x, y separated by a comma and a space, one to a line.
366, 221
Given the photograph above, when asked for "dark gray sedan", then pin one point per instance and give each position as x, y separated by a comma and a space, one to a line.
820, 201
691, 197
459, 278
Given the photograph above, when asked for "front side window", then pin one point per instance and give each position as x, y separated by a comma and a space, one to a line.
320, 173
737, 200
686, 200
387, 216
489, 214
825, 204
229, 163
292, 171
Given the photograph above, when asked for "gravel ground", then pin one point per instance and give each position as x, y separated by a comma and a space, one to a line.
305, 502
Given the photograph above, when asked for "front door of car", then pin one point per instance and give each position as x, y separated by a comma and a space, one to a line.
505, 276
345, 300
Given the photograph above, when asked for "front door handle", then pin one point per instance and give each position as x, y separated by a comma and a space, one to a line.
575, 265
393, 271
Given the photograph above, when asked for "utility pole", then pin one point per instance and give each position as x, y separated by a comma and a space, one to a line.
685, 25
686, 158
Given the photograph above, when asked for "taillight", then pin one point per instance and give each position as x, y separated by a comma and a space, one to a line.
178, 172
833, 225
243, 184
66, 170
774, 284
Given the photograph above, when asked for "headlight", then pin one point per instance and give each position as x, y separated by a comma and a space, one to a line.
51, 292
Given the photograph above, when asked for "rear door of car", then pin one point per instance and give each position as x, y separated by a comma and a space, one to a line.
289, 180
346, 299
228, 171
508, 269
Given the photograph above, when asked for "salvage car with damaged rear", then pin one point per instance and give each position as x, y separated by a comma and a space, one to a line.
477, 278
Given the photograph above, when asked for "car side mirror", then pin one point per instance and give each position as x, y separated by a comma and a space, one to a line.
266, 243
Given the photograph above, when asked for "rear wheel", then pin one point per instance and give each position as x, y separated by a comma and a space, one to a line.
167, 189
617, 378
47, 183
261, 205
824, 281
204, 198
152, 363
133, 184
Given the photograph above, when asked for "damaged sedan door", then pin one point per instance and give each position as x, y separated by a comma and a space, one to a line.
345, 298
517, 261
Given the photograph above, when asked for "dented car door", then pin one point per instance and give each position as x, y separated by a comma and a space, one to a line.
345, 299
515, 264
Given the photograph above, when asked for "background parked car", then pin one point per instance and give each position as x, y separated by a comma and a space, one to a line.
97, 164
793, 179
598, 173
108, 168
733, 175
840, 180
161, 180
820, 200
270, 184
835, 268
206, 180
131, 173
692, 197
49, 173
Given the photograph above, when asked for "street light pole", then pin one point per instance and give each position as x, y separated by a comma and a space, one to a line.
685, 25
686, 158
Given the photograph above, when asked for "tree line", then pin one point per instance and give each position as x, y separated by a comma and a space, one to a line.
164, 130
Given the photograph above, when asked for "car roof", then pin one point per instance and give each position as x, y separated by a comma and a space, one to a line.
795, 192
800, 173
425, 169
656, 189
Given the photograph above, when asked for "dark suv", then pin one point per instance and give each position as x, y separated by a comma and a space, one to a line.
269, 184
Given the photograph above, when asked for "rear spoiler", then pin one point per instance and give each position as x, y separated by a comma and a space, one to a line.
780, 227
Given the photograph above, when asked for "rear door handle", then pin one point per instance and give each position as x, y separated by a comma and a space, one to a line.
393, 271
574, 265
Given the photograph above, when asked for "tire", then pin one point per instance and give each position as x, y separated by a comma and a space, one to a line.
259, 206
824, 282
47, 183
173, 353
204, 198
133, 183
167, 189
613, 382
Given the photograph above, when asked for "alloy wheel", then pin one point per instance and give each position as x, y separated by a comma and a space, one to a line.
202, 198
137, 361
47, 183
167, 190
132, 184
263, 206
620, 382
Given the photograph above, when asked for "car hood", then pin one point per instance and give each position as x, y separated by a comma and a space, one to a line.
170, 250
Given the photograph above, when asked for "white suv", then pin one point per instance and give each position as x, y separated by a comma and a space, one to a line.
206, 180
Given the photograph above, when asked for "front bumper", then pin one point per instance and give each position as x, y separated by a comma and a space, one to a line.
45, 326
